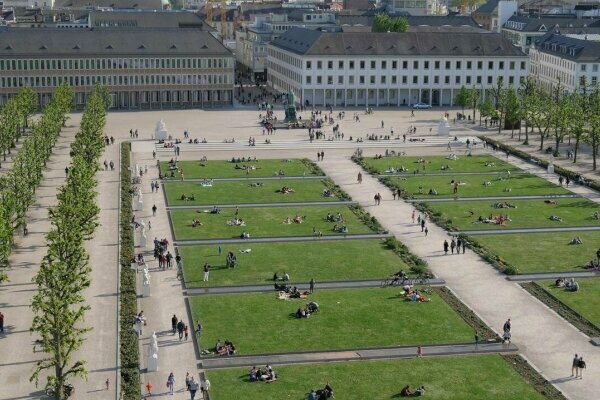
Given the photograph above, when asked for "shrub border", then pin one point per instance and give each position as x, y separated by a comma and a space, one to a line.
129, 344
533, 377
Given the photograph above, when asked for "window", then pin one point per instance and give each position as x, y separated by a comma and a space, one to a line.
447, 80
479, 64
501, 65
330, 80
511, 80
522, 65
469, 80
351, 79
595, 68
395, 65
319, 80
511, 65
479, 79
458, 65
351, 64
329, 64
436, 65
372, 79
309, 65
457, 80
582, 81
594, 80
583, 67
383, 79
383, 64
436, 79
489, 80
447, 65
415, 64
319, 64
340, 80
340, 65
394, 79
490, 65
469, 64
361, 80
404, 64
426, 64
415, 79
425, 79
373, 65
362, 65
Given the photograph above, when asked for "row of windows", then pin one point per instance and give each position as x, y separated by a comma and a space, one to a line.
416, 64
114, 80
372, 80
114, 63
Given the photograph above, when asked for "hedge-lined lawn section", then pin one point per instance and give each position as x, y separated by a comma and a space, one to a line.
349, 318
263, 221
543, 252
340, 260
527, 214
434, 164
473, 186
480, 377
242, 192
227, 169
586, 301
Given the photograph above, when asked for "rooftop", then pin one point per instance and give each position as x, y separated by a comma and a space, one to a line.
127, 4
570, 48
136, 42
309, 42
547, 24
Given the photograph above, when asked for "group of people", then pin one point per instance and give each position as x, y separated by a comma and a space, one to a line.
494, 219
408, 392
185, 197
266, 375
162, 253
455, 244
196, 222
179, 327
321, 394
225, 349
334, 218
296, 220
503, 204
231, 260
286, 190
411, 294
306, 311
570, 285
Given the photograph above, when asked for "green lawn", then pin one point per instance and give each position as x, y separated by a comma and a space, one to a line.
323, 260
241, 192
520, 185
433, 164
586, 301
226, 169
481, 377
543, 252
260, 323
528, 214
263, 221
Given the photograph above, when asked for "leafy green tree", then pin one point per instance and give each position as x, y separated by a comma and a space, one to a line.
463, 98
593, 118
559, 117
486, 109
512, 109
578, 119
474, 100
383, 23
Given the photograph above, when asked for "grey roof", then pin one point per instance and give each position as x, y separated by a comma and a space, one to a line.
136, 42
550, 23
438, 20
447, 29
309, 42
141, 4
583, 50
151, 19
488, 7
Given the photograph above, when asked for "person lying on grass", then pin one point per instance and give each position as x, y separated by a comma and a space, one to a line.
286, 190
331, 218
187, 198
196, 222
340, 229
236, 222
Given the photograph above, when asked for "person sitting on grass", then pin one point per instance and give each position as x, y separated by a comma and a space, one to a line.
244, 235
286, 190
327, 193
312, 307
576, 240
559, 283
231, 260
237, 222
571, 285
326, 392
287, 221
406, 391
433, 192
187, 198
215, 210
253, 374
298, 219
420, 391
302, 313
550, 202
340, 229
555, 218
196, 222
257, 184
228, 349
596, 215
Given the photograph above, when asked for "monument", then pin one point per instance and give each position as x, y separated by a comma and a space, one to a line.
290, 109
146, 292
160, 132
551, 164
444, 127
153, 354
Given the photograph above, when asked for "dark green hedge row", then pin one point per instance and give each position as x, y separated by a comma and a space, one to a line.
336, 190
130, 355
416, 264
313, 168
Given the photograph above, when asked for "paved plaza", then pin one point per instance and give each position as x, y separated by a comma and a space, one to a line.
540, 335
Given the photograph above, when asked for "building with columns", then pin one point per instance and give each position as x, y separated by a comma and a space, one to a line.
142, 68
572, 62
390, 69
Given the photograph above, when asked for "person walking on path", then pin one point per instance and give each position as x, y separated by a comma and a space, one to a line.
507, 326
418, 219
188, 380
174, 321
560, 182
1, 323
318, 156
149, 388
581, 366
206, 271
394, 193
413, 216
419, 351
322, 155
107, 383
427, 231
476, 339
220, 250
359, 179
575, 367
312, 285
567, 181
154, 208
180, 328
458, 245
376, 198
186, 332
193, 388
464, 245
452, 245
446, 245
171, 383
422, 224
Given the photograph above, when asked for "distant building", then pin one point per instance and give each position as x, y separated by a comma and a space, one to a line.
417, 7
392, 69
356, 5
566, 61
142, 68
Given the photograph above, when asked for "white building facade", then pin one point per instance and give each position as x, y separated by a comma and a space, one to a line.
566, 61
390, 69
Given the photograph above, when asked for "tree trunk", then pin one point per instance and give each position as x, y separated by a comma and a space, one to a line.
576, 148
542, 134
594, 151
557, 144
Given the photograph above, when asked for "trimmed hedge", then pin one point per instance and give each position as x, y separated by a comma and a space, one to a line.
416, 264
336, 190
313, 168
130, 355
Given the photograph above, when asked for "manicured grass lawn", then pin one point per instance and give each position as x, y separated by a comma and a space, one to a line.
338, 260
263, 221
226, 169
480, 377
240, 192
528, 214
543, 252
586, 301
349, 318
434, 164
520, 185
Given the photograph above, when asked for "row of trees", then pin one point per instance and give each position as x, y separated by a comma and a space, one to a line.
18, 185
553, 114
59, 305
14, 117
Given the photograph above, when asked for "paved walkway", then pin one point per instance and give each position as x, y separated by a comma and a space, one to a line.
258, 205
545, 339
283, 239
551, 276
484, 198
532, 230
358, 354
300, 286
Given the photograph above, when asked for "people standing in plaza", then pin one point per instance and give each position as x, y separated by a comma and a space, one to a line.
193, 388
180, 329
206, 272
575, 366
452, 245
422, 224
581, 366
171, 383
174, 321
446, 245
1, 322
154, 208
359, 179
312, 285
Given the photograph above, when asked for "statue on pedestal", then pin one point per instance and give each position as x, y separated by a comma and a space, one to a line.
160, 132
444, 127
153, 353
290, 108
